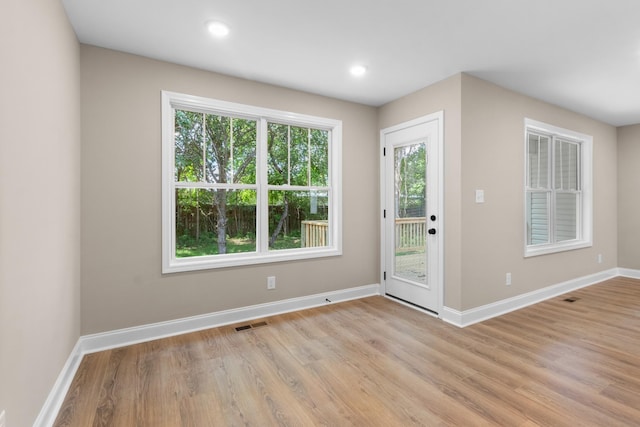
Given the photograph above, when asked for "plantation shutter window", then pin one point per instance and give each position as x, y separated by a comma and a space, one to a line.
557, 203
567, 190
538, 192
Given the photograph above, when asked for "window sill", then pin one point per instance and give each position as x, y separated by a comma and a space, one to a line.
531, 251
177, 265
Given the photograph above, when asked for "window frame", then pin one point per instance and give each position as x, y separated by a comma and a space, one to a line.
584, 227
170, 263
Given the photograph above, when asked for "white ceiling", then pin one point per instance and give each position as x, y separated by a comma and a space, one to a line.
580, 54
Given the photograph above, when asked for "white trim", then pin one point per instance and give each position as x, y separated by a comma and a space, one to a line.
242, 259
439, 117
627, 272
383, 205
452, 316
585, 220
52, 405
172, 264
208, 105
138, 334
122, 337
498, 308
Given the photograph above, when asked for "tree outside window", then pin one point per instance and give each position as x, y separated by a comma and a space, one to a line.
247, 186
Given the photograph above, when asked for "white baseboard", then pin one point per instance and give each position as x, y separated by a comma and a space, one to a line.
52, 405
478, 314
627, 272
122, 337
128, 336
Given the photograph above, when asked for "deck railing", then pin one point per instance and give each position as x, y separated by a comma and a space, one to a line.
314, 233
411, 233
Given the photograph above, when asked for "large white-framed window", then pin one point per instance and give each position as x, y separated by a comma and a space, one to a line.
247, 185
558, 189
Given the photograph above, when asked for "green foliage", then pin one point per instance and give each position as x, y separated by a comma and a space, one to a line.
410, 179
187, 246
319, 148
278, 154
215, 149
297, 156
188, 146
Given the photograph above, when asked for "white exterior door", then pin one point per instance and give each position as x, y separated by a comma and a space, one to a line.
412, 207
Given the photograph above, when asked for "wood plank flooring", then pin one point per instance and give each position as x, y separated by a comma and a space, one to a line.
373, 362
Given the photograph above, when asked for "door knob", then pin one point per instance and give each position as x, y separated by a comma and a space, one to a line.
432, 231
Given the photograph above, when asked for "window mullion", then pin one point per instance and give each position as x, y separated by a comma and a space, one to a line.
309, 156
231, 168
580, 207
538, 143
289, 155
562, 164
204, 148
552, 192
262, 154
579, 168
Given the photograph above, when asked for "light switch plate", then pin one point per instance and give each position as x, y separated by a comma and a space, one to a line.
479, 196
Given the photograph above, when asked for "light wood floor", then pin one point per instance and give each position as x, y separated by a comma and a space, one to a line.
373, 362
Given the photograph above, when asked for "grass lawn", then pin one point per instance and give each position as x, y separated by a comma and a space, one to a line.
208, 245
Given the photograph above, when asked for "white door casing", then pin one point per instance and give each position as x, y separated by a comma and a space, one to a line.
412, 230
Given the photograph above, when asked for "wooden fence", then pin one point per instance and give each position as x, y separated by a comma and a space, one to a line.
314, 233
411, 233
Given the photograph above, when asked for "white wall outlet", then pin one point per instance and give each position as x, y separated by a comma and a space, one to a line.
599, 258
3, 420
271, 282
508, 279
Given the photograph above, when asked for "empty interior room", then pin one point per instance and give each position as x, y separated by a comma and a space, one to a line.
460, 218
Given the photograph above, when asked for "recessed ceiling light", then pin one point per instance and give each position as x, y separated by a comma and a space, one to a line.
358, 70
218, 29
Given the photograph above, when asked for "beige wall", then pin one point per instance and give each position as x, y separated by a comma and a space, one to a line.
41, 265
39, 203
443, 96
493, 160
628, 200
122, 284
484, 149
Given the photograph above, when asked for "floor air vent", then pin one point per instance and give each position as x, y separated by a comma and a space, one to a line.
251, 326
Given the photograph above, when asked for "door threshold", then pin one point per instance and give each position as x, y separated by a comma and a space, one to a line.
412, 305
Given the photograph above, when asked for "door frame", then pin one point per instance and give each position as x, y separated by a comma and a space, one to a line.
439, 117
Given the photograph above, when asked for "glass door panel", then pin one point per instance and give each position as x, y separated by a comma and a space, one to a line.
410, 225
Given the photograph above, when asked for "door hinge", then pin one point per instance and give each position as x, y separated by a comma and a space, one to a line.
384, 213
384, 276
384, 151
